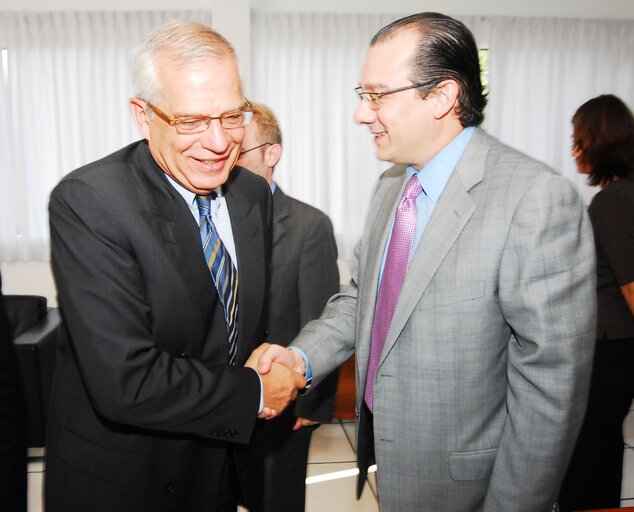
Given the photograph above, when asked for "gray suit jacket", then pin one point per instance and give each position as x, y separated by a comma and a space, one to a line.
304, 275
482, 384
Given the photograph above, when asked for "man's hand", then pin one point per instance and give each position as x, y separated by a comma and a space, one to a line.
280, 383
304, 422
278, 354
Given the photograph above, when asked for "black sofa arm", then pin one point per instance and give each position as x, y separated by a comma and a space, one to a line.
35, 344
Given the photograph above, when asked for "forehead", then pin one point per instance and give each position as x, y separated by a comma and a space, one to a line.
210, 85
388, 62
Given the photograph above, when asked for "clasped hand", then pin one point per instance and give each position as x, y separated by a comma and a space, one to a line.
282, 373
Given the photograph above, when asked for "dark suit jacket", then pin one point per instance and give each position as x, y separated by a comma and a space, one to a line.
144, 404
304, 275
12, 440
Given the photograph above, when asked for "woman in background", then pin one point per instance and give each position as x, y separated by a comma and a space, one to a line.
603, 147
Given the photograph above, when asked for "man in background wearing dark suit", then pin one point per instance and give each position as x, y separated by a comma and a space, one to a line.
12, 441
151, 408
304, 275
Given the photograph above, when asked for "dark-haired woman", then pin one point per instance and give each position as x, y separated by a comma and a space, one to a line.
603, 147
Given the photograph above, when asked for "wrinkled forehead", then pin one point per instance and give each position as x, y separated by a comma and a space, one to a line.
207, 86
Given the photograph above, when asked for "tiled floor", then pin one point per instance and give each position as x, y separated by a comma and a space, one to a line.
332, 456
627, 484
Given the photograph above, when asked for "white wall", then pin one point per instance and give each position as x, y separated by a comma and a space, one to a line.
559, 8
32, 278
562, 8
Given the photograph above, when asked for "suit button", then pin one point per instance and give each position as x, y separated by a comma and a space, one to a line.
170, 488
184, 355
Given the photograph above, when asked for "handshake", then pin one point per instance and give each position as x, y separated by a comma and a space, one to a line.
282, 374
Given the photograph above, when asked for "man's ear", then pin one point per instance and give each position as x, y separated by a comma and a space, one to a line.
137, 107
445, 98
272, 155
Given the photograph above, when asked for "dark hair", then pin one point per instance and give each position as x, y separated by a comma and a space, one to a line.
603, 132
446, 50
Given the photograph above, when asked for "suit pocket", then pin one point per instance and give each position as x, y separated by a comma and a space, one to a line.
447, 296
472, 465
115, 466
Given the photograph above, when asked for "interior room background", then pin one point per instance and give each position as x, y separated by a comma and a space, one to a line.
65, 79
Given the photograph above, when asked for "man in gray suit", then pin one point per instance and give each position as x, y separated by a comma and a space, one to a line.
471, 306
304, 275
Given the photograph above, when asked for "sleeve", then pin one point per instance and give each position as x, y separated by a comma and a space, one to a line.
318, 278
612, 217
103, 294
547, 296
329, 340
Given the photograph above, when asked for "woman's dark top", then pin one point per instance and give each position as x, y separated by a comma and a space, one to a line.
612, 215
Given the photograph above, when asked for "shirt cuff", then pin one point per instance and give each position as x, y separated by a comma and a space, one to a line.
309, 371
261, 408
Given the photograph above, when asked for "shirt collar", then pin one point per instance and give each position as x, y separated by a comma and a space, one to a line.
188, 195
434, 176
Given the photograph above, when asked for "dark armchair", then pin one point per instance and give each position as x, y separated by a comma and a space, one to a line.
35, 328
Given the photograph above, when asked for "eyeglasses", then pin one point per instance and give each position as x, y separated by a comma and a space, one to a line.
254, 147
187, 125
373, 99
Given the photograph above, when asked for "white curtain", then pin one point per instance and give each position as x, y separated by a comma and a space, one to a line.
542, 70
65, 86
63, 99
305, 67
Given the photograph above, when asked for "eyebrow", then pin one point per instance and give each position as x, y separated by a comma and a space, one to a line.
373, 87
235, 109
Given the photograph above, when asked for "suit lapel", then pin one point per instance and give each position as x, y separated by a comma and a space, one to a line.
449, 217
386, 199
280, 213
170, 221
246, 224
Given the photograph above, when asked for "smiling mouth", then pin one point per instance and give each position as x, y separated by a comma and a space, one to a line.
212, 163
378, 135
210, 167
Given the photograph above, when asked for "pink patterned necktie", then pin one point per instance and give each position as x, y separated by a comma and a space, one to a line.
396, 264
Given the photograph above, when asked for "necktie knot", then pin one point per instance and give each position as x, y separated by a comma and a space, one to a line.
413, 188
204, 206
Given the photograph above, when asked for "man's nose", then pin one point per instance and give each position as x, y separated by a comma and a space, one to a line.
364, 114
215, 137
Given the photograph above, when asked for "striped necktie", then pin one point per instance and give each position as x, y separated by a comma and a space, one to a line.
223, 272
396, 264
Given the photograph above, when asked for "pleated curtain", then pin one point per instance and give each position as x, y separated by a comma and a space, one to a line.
66, 80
